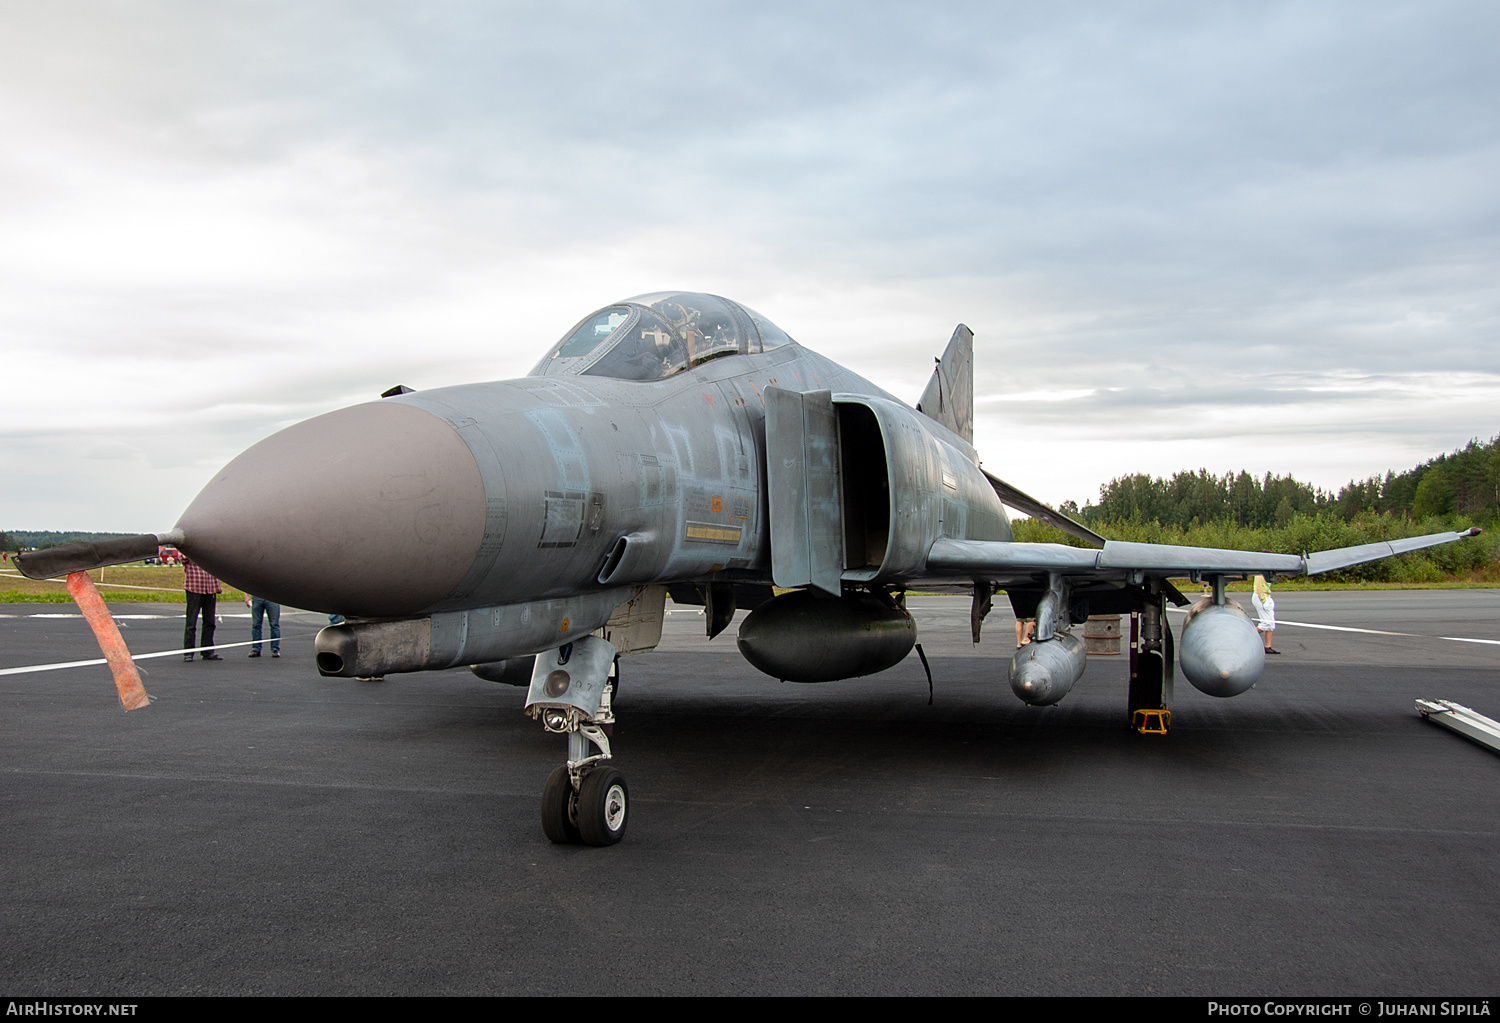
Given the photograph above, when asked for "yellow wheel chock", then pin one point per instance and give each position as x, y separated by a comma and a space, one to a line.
1152, 722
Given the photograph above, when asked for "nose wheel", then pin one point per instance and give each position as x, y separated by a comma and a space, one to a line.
585, 800
560, 808
603, 807
595, 813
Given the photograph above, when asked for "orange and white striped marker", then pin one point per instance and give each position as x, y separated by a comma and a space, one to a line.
127, 680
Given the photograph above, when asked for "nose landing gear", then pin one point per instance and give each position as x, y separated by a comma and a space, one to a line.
584, 800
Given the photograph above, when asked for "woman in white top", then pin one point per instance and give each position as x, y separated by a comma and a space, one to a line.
1265, 607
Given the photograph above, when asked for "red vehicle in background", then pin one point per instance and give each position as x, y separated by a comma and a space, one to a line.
166, 556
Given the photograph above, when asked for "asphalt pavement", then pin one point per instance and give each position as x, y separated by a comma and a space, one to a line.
262, 830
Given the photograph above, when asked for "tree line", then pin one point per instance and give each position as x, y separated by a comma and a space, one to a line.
1462, 485
1282, 514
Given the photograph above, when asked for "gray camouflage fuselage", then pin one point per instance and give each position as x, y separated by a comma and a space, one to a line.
559, 469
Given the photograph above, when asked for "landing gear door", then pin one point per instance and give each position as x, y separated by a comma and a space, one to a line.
802, 457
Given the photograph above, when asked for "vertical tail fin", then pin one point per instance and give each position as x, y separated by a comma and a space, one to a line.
949, 397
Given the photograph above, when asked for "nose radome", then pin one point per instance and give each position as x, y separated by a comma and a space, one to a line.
376, 510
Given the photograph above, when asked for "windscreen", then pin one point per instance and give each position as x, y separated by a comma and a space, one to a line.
593, 332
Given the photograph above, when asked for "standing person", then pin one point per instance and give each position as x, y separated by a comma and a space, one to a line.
202, 598
1265, 607
261, 607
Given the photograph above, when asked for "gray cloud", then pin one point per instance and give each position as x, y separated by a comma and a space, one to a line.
1197, 212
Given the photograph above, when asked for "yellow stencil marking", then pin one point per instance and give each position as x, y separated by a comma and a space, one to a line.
712, 533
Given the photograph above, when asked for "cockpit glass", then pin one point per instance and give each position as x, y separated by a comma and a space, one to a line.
648, 350
591, 332
654, 336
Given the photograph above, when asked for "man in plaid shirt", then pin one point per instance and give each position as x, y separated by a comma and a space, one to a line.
202, 598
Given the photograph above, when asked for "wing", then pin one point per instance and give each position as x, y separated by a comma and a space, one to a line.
1121, 561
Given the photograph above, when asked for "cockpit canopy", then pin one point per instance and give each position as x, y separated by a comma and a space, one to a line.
650, 337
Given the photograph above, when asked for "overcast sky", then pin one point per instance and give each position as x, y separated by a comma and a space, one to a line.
1230, 236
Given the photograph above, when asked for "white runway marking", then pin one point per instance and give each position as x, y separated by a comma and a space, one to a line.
142, 618
1383, 632
1371, 632
140, 657
225, 646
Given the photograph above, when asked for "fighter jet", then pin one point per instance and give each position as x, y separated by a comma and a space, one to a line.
683, 444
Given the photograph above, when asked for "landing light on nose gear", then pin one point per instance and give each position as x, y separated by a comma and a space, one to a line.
572, 692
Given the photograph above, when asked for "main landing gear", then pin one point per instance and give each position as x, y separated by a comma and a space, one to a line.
1152, 655
572, 692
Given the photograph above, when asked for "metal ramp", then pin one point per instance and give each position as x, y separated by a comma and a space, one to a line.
1462, 720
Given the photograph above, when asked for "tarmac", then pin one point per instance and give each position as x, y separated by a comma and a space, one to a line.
260, 830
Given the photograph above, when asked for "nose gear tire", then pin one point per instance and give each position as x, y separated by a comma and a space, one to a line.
603, 806
559, 808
